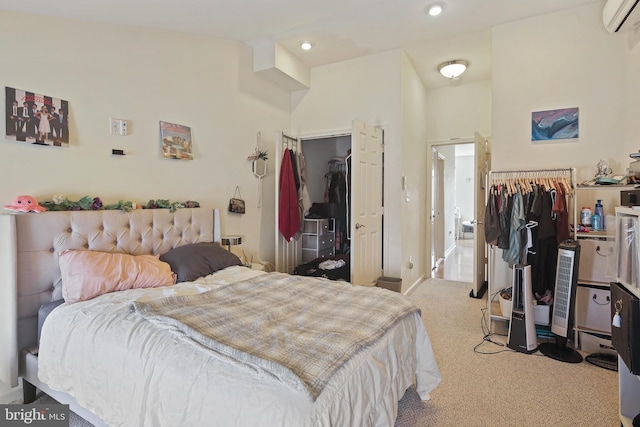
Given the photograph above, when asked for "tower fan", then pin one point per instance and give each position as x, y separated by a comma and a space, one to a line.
563, 302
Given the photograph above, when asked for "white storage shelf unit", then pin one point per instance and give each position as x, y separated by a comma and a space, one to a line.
597, 268
318, 239
587, 195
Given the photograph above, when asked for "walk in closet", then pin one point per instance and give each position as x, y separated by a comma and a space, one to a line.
325, 206
529, 213
329, 171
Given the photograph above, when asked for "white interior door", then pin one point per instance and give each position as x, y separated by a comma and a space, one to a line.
365, 226
432, 217
440, 208
437, 208
481, 168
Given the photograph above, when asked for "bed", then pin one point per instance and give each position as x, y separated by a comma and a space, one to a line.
117, 362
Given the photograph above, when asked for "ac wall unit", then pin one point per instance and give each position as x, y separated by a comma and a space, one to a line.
621, 15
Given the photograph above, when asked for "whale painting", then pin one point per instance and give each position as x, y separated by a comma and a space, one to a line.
554, 124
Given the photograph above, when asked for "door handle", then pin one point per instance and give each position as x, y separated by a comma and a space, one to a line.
358, 225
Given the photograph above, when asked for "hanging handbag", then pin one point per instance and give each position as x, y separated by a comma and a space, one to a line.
491, 220
236, 204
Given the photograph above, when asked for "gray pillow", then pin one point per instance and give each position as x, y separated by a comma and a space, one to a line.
199, 259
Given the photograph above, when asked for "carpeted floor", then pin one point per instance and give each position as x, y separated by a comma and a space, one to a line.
504, 388
490, 385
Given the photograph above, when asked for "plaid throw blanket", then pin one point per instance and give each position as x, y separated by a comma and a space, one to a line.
298, 329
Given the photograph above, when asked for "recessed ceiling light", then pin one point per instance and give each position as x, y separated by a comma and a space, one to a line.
453, 69
305, 45
435, 9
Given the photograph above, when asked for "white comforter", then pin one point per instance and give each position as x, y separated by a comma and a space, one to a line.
130, 372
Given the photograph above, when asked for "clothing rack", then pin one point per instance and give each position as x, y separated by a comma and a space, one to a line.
563, 175
517, 180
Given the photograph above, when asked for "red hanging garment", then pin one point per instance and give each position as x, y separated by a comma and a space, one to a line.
288, 213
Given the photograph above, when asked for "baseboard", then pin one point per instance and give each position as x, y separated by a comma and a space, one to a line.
414, 285
449, 250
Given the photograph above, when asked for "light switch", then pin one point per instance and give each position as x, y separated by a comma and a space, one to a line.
118, 126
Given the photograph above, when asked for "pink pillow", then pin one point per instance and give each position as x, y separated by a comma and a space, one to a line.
87, 274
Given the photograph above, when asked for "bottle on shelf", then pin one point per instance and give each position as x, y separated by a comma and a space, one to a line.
599, 211
585, 216
596, 222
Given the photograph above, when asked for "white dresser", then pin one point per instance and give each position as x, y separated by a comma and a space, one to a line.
318, 239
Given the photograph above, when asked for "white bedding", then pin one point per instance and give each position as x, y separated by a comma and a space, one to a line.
131, 372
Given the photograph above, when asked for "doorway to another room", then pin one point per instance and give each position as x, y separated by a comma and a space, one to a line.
453, 211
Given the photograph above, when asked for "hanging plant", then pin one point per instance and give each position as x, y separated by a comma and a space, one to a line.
258, 155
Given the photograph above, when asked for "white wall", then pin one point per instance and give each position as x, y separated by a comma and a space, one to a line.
381, 90
143, 76
565, 59
465, 186
450, 165
457, 111
413, 221
365, 89
632, 92
561, 60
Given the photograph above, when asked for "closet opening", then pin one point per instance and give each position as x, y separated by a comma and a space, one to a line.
350, 222
325, 209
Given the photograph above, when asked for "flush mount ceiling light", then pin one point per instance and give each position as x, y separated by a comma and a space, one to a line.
453, 69
305, 45
435, 9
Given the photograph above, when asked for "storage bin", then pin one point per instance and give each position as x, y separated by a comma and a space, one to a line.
318, 242
597, 261
541, 313
592, 343
505, 306
391, 283
317, 226
593, 308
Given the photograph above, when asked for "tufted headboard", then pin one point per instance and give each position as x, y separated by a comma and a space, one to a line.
29, 247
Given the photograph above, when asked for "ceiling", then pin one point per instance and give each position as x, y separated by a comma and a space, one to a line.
339, 29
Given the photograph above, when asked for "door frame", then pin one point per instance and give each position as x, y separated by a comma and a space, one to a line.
437, 207
349, 132
431, 146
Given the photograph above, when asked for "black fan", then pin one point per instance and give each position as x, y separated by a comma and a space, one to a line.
563, 300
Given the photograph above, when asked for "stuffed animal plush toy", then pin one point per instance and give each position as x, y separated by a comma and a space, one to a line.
25, 204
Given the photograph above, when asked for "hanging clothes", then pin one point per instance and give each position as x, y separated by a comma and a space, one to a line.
513, 254
505, 204
294, 167
491, 220
541, 196
562, 215
288, 213
304, 191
